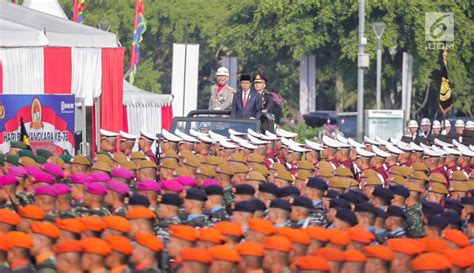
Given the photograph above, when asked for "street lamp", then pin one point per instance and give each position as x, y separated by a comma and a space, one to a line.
378, 29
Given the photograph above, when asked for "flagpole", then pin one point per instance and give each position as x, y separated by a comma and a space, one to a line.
132, 56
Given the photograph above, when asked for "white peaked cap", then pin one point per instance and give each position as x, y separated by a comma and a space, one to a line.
193, 132
226, 144
412, 124
438, 150
283, 133
265, 137
216, 137
404, 146
379, 152
237, 139
127, 135
465, 151
292, 142
393, 149
253, 133
451, 151
107, 133
313, 145
285, 141
247, 145
354, 143
364, 153
416, 147
370, 141
432, 153
442, 143
185, 137
204, 138
170, 136
271, 135
447, 123
424, 145
297, 148
235, 133
330, 142
341, 139
256, 141
381, 141
148, 135
459, 123
394, 140
436, 124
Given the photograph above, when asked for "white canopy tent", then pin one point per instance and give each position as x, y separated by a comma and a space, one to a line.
143, 108
20, 23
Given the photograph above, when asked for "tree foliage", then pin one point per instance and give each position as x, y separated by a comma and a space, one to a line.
270, 36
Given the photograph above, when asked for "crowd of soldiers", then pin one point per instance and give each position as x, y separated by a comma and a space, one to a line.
249, 202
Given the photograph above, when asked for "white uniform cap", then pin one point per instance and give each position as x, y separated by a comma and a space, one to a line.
283, 133
458, 144
354, 143
185, 137
471, 147
459, 123
256, 141
146, 134
393, 149
364, 153
430, 152
404, 146
125, 135
412, 124
235, 133
297, 148
393, 140
222, 71
292, 142
193, 132
313, 145
381, 141
442, 143
237, 139
285, 141
271, 135
370, 141
438, 150
465, 151
227, 145
170, 136
204, 138
341, 139
436, 124
447, 123
265, 137
330, 142
379, 152
105, 133
216, 137
451, 151
416, 147
424, 145
470, 124
253, 133
425, 121
247, 145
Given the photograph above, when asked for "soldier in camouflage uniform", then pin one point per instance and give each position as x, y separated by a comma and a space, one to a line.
215, 210
315, 187
93, 198
193, 207
279, 213
414, 224
44, 234
301, 208
115, 198
224, 175
144, 256
168, 215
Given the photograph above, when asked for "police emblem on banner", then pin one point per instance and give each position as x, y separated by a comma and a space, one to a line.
36, 114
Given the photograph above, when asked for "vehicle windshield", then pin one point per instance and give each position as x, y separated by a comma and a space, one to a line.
217, 125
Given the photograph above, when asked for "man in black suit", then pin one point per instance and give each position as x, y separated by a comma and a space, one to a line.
246, 103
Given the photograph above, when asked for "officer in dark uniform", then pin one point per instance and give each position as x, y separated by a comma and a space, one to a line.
267, 119
215, 209
193, 208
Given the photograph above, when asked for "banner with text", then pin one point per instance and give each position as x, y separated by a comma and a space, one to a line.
49, 121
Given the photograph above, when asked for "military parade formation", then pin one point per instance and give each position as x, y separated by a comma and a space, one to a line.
250, 202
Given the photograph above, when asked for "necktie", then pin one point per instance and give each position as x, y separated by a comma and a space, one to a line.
245, 98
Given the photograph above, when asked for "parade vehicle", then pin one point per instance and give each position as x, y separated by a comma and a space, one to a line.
217, 121
345, 121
